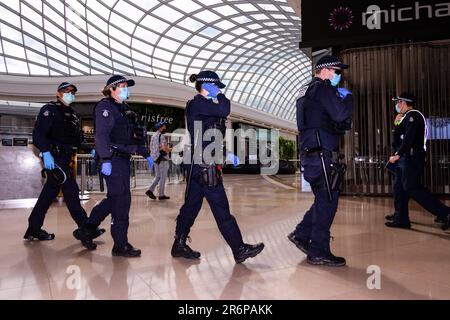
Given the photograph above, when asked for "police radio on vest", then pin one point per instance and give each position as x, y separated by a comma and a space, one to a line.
375, 17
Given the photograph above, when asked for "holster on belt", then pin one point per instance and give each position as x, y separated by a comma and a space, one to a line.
337, 171
211, 175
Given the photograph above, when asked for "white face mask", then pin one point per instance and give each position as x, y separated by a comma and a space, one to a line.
68, 98
124, 94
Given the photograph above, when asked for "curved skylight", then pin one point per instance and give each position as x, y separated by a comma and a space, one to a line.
253, 45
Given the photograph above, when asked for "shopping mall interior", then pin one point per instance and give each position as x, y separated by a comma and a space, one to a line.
265, 52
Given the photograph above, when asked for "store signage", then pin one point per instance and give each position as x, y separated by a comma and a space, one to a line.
373, 21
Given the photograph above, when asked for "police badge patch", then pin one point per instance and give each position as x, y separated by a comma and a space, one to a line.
106, 113
46, 113
303, 91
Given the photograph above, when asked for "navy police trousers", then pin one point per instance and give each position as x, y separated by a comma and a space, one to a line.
117, 202
50, 192
317, 222
220, 208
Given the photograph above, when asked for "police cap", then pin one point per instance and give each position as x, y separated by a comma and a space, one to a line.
330, 62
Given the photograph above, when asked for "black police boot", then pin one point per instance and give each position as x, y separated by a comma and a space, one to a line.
328, 260
181, 250
247, 251
398, 224
150, 195
390, 217
85, 235
302, 245
164, 198
128, 251
97, 233
40, 235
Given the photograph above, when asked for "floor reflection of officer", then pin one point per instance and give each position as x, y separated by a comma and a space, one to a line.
57, 133
410, 157
210, 114
323, 113
118, 135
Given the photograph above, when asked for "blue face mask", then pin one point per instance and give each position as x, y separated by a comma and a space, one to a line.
68, 98
124, 94
336, 80
397, 108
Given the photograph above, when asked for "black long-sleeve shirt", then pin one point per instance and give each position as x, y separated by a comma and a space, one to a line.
207, 113
320, 108
57, 125
107, 115
412, 133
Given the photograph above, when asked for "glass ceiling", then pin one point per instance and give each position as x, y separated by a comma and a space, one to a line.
253, 45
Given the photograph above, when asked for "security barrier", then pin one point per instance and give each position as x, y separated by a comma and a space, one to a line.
88, 177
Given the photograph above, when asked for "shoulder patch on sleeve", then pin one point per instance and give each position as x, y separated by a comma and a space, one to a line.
303, 91
48, 110
411, 119
105, 113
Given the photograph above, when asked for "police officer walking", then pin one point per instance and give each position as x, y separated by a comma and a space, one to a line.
410, 159
118, 135
57, 133
323, 114
205, 178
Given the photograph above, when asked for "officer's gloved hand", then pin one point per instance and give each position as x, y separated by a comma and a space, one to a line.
150, 163
106, 169
344, 92
233, 158
213, 90
49, 162
93, 153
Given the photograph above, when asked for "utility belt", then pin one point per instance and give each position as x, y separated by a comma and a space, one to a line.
336, 170
58, 151
120, 154
211, 175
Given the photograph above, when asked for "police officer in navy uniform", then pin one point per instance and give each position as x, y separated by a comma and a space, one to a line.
118, 135
410, 157
212, 115
57, 134
324, 113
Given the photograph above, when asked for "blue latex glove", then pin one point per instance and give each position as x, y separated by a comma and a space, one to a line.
213, 90
150, 163
93, 153
106, 169
343, 92
233, 158
49, 162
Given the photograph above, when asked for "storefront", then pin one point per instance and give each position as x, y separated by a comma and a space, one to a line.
392, 47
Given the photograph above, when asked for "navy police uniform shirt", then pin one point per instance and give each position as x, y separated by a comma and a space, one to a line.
397, 137
57, 125
208, 112
320, 107
111, 128
412, 134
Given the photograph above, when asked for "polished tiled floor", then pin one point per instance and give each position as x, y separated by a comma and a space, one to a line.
414, 264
